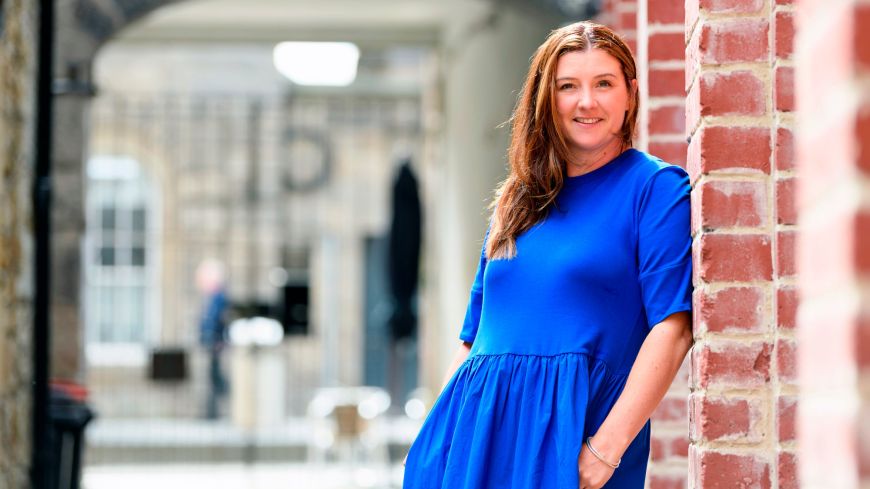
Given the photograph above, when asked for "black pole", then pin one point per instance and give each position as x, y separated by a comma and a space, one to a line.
42, 247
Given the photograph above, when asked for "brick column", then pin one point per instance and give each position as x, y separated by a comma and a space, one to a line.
621, 16
833, 142
662, 132
738, 121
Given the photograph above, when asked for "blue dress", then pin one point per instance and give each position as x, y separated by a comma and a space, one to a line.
555, 331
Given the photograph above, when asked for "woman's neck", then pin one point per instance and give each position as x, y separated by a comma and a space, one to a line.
594, 159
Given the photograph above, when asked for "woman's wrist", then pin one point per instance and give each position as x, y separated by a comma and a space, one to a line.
611, 447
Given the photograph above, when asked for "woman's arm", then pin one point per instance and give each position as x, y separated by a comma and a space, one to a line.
458, 357
653, 371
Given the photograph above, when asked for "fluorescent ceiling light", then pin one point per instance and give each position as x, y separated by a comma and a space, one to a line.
317, 63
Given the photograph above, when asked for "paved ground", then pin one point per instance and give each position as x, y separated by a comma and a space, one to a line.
159, 442
237, 476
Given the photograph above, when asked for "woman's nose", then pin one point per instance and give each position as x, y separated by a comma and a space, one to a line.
585, 99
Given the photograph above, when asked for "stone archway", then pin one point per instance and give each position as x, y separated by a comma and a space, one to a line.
83, 27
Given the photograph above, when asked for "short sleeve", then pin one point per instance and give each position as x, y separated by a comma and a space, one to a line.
665, 244
475, 301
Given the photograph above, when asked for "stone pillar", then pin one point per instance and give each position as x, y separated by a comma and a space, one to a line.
832, 70
19, 24
742, 375
485, 56
82, 27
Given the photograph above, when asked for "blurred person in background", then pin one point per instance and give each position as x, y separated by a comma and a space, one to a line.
579, 315
210, 281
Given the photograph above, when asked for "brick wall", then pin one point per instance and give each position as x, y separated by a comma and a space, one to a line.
17, 51
833, 94
739, 120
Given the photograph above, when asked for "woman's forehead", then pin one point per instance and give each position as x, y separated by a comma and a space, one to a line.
592, 62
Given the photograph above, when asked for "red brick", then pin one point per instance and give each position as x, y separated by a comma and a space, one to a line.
862, 36
731, 6
786, 410
734, 41
787, 471
719, 93
785, 253
784, 86
667, 46
664, 447
667, 82
673, 152
715, 418
657, 449
862, 243
738, 149
862, 135
670, 119
627, 21
733, 203
786, 365
862, 345
631, 42
786, 307
680, 447
786, 212
725, 470
672, 408
665, 12
735, 309
784, 34
663, 481
732, 364
717, 255
784, 152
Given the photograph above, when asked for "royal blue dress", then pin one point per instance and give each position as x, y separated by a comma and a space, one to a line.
555, 331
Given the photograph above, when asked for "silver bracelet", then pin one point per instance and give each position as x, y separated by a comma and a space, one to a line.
598, 455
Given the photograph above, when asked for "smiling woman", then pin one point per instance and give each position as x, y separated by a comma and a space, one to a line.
592, 101
579, 314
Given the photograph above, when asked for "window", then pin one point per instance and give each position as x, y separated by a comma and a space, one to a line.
118, 264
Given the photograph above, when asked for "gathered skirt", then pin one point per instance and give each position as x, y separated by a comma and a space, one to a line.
519, 421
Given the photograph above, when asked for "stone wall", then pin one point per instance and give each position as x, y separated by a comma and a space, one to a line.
18, 50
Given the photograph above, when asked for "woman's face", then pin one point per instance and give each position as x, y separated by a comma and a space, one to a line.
591, 99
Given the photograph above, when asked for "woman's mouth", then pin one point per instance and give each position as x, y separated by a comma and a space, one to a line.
587, 121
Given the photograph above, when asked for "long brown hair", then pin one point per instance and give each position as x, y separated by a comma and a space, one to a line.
538, 150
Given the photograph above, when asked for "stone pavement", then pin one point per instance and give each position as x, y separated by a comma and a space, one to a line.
241, 476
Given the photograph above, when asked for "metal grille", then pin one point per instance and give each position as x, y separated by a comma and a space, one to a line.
263, 185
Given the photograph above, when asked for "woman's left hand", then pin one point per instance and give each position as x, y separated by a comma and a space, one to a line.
593, 472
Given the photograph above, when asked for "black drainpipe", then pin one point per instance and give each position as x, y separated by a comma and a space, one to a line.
42, 191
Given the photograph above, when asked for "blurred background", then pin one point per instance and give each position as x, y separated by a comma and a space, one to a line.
266, 222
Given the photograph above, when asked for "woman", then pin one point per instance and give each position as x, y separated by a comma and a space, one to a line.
579, 315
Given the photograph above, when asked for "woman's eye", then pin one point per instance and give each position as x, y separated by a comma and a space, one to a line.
566, 86
604, 83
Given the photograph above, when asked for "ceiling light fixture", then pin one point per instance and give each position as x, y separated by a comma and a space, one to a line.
317, 63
